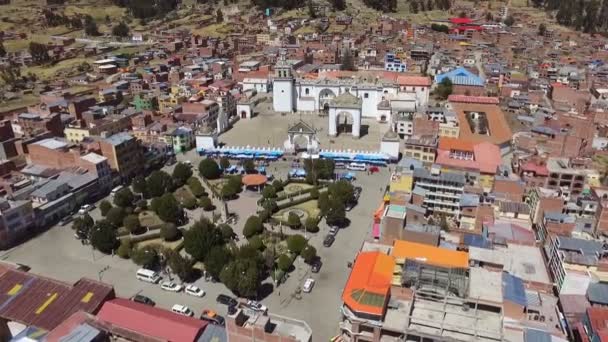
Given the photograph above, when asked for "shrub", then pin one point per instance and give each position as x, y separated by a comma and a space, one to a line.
277, 185
311, 225
256, 242
293, 220
309, 254
124, 250
169, 232
104, 207
206, 203
209, 169
269, 192
196, 187
314, 193
253, 226
284, 263
115, 216
131, 222
189, 203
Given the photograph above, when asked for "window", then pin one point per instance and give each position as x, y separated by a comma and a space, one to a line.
306, 91
365, 95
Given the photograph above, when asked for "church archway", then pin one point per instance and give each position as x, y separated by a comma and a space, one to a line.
325, 96
344, 122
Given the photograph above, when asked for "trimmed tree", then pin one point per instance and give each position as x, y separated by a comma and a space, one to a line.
253, 226
168, 209
206, 203
224, 163
293, 220
146, 256
227, 232
124, 250
124, 198
296, 243
104, 207
284, 263
277, 185
269, 192
196, 187
249, 166
311, 225
209, 169
309, 254
131, 222
181, 173
115, 216
103, 237
169, 232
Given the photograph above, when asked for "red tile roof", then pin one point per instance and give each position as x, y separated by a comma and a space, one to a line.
473, 99
455, 144
598, 318
151, 321
540, 170
45, 303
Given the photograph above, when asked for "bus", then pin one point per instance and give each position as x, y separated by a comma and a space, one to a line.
356, 167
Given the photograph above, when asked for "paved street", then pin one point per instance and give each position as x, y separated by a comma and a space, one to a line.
57, 254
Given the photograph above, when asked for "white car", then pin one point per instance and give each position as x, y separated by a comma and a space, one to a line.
85, 209
171, 286
182, 310
257, 306
308, 284
194, 291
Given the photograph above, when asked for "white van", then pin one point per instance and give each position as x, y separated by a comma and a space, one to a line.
147, 276
116, 190
356, 167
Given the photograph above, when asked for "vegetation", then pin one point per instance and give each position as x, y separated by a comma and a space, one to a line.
293, 220
253, 226
196, 187
296, 243
284, 263
444, 89
309, 254
167, 208
200, 238
124, 198
104, 207
103, 237
121, 30
159, 183
147, 8
209, 169
318, 169
169, 232
181, 174
39, 53
115, 216
131, 222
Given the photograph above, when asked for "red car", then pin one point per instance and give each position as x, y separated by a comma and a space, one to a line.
374, 169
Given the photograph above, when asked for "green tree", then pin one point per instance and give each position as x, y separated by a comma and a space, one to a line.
2, 50
146, 256
509, 20
277, 185
139, 185
311, 225
120, 30
312, 13
323, 203
309, 254
249, 166
190, 203
168, 209
227, 232
219, 16
414, 6
293, 220
115, 216
206, 204
216, 259
90, 26
257, 242
243, 277
209, 169
269, 192
169, 232
591, 16
124, 250
196, 187
180, 265
339, 5
336, 214
103, 237
200, 238
83, 225
542, 29
232, 187
284, 263
224, 163
253, 226
158, 183
342, 190
124, 198
296, 243
104, 207
348, 61
39, 52
131, 222
444, 89
181, 174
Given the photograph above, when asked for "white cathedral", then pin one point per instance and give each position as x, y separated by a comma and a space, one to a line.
366, 94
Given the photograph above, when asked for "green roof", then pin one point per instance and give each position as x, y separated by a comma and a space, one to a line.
368, 298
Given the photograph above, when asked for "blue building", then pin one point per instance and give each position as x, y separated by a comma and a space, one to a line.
461, 76
394, 63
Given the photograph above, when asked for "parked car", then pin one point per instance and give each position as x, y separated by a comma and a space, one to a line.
194, 291
257, 306
339, 166
85, 209
308, 285
333, 231
374, 169
143, 300
226, 300
350, 206
182, 310
316, 266
171, 286
64, 221
329, 240
212, 317
357, 191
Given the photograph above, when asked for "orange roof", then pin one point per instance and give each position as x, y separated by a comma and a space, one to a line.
253, 180
368, 285
429, 254
457, 144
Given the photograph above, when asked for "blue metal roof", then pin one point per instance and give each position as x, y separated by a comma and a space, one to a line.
598, 293
513, 289
534, 335
461, 76
476, 241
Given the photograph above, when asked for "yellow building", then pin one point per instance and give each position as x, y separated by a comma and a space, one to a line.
76, 134
168, 102
423, 149
449, 130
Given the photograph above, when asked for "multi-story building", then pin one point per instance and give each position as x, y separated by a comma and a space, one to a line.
244, 324
563, 176
393, 63
109, 125
423, 149
442, 191
124, 155
16, 221
181, 139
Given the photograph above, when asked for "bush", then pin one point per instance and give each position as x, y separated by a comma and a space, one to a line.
224, 163
277, 185
256, 242
104, 207
169, 232
131, 222
124, 250
309, 254
311, 225
284, 263
142, 203
206, 203
196, 187
115, 216
296, 243
253, 226
293, 220
269, 192
189, 203
227, 232
209, 169
314, 193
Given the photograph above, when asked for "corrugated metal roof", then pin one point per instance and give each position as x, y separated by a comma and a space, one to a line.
82, 333
534, 335
598, 293
513, 289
